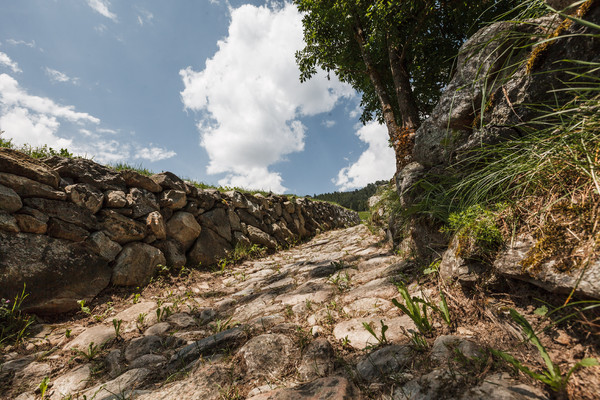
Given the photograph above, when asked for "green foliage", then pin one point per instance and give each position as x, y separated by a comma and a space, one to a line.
35, 152
416, 309
83, 308
13, 322
476, 231
220, 325
43, 387
117, 325
356, 200
381, 339
240, 253
425, 36
91, 353
552, 376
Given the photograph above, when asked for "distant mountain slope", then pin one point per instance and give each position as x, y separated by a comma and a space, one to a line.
355, 200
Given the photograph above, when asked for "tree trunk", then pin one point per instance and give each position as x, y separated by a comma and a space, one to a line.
395, 132
404, 93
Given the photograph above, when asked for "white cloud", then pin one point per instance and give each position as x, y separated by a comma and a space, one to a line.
57, 76
101, 7
144, 16
375, 163
11, 95
154, 153
6, 61
250, 97
36, 121
21, 42
329, 123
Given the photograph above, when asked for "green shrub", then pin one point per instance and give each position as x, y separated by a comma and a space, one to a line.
13, 322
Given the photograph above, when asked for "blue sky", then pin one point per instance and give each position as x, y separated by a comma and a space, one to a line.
206, 89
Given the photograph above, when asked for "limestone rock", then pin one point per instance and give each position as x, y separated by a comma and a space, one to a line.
124, 385
208, 249
268, 355
207, 198
168, 180
115, 199
183, 228
217, 220
173, 199
63, 230
359, 338
156, 225
330, 388
65, 211
509, 264
136, 264
141, 202
381, 364
98, 334
9, 199
72, 382
137, 180
100, 244
453, 266
86, 196
26, 187
230, 338
259, 237
16, 163
82, 170
57, 272
8, 222
444, 346
317, 360
173, 251
141, 346
30, 224
121, 229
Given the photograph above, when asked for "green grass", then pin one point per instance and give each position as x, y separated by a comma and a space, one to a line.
13, 322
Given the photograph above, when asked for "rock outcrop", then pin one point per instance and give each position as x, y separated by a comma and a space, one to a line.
69, 227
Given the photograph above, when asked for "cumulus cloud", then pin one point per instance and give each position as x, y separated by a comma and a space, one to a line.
329, 123
6, 61
154, 153
377, 162
11, 95
36, 121
250, 100
101, 7
57, 76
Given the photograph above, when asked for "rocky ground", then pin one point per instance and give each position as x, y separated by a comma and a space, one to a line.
290, 326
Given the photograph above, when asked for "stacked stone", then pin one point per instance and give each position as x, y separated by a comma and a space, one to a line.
71, 227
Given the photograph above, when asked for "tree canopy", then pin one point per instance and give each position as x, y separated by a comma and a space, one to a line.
397, 54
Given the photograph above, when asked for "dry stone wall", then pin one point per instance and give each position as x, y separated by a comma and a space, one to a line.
71, 227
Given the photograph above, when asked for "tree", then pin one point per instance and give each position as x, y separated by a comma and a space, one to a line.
397, 54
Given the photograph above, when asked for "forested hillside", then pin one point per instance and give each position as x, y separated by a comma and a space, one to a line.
356, 200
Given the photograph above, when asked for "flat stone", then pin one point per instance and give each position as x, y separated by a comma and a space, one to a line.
141, 346
82, 170
383, 363
30, 224
230, 338
359, 338
317, 361
368, 306
124, 385
316, 292
16, 163
148, 361
502, 387
8, 222
268, 355
65, 211
159, 329
98, 334
330, 388
32, 374
120, 228
64, 230
445, 345
114, 365
181, 320
135, 179
9, 199
71, 382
